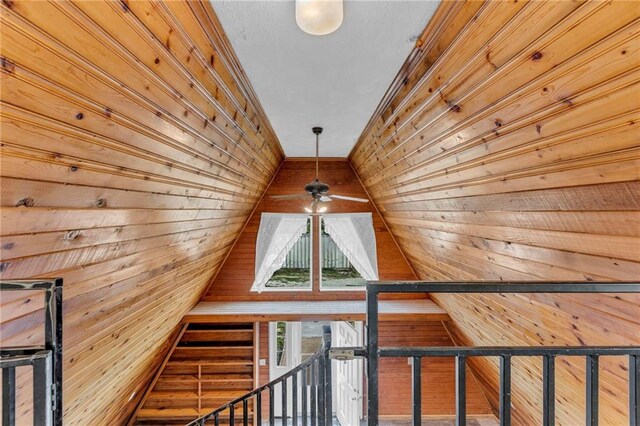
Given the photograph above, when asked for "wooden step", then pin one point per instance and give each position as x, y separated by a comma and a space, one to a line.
208, 382
190, 368
181, 416
218, 336
187, 399
212, 352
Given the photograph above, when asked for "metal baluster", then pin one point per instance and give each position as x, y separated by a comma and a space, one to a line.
245, 412
416, 391
216, 420
592, 390
258, 421
272, 417
548, 390
283, 389
372, 352
461, 391
304, 401
634, 390
232, 415
328, 397
9, 396
314, 418
294, 399
505, 390
322, 419
42, 385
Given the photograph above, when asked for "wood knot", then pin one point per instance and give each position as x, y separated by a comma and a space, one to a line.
455, 108
125, 5
101, 202
25, 202
498, 123
157, 61
71, 235
79, 116
7, 65
73, 168
8, 3
107, 111
536, 56
4, 266
8, 246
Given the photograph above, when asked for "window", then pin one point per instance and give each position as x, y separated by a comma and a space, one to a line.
285, 252
337, 273
295, 272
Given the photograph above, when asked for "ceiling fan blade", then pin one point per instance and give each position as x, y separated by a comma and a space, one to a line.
324, 199
344, 197
289, 197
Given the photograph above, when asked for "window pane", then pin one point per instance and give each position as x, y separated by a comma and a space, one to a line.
296, 271
281, 344
337, 271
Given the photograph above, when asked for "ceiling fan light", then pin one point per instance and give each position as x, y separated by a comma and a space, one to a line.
322, 209
308, 210
319, 17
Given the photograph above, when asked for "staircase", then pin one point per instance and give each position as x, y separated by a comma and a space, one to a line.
211, 365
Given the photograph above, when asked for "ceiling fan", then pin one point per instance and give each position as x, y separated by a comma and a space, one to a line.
318, 190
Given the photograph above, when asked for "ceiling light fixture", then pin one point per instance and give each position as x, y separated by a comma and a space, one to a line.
319, 17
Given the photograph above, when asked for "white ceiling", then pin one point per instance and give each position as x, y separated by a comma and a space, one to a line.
334, 81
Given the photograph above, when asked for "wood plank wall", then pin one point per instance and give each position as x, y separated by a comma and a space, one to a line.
133, 151
237, 274
438, 398
507, 149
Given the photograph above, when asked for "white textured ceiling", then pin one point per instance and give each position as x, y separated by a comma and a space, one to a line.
334, 81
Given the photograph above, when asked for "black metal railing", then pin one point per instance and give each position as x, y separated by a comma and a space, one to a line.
46, 360
314, 407
505, 354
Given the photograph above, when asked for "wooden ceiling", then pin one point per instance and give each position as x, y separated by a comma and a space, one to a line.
507, 149
133, 151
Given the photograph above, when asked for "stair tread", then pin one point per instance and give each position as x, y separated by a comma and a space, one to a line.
209, 361
223, 393
207, 378
182, 413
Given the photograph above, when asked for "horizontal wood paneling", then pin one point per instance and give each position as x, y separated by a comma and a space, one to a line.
236, 277
133, 151
508, 150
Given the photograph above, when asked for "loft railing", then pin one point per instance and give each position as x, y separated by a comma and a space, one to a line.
46, 360
314, 376
505, 354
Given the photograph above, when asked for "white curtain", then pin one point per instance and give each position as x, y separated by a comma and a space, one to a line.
354, 235
277, 235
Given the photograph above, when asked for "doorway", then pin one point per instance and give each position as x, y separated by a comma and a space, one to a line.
291, 343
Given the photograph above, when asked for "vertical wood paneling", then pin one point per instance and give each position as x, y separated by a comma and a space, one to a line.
133, 151
236, 276
510, 152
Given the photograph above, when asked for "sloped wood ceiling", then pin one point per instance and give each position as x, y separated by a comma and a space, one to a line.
133, 150
508, 150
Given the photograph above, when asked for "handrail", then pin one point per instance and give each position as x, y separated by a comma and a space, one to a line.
46, 359
320, 411
505, 354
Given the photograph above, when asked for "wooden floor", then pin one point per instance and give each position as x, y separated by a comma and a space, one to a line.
343, 310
